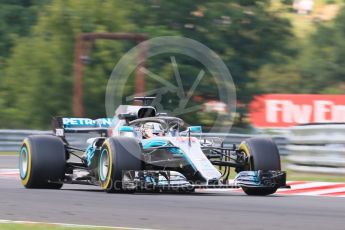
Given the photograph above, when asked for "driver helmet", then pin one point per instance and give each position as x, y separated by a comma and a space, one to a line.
151, 129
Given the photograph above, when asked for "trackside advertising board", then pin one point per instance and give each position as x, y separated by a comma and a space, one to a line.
284, 110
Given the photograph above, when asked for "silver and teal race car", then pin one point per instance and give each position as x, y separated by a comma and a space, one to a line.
143, 150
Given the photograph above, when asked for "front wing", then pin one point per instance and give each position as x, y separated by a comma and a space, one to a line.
171, 180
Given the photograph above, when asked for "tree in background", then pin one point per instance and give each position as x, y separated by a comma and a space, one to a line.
16, 19
245, 33
318, 67
324, 61
37, 82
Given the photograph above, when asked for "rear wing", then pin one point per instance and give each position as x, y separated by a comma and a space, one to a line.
62, 125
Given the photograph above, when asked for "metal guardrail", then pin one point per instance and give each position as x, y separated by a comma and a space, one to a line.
317, 148
10, 140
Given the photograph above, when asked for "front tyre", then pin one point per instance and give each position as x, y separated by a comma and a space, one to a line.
42, 162
263, 155
118, 156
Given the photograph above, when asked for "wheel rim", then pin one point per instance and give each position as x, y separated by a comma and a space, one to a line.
104, 165
23, 162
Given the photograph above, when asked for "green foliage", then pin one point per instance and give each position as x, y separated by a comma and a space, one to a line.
244, 33
323, 63
317, 68
16, 19
37, 83
252, 37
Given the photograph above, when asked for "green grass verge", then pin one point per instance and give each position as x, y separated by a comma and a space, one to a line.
44, 227
299, 176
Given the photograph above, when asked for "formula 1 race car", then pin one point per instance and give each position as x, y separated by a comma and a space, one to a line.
143, 150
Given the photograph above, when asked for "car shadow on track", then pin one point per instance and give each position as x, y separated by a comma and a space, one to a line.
167, 193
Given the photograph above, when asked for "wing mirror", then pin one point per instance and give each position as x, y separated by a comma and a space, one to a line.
194, 129
127, 116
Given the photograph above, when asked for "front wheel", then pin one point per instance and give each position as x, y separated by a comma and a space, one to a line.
263, 155
118, 156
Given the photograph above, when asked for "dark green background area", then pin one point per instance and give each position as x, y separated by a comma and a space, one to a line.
257, 40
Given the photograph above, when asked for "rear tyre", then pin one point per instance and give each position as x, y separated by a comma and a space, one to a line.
264, 155
118, 154
42, 162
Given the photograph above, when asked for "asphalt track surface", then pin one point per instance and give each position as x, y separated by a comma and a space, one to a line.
202, 210
8, 162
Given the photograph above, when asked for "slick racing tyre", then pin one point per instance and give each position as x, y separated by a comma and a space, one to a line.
263, 155
118, 155
42, 162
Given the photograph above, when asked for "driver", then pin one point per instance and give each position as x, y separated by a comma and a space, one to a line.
151, 129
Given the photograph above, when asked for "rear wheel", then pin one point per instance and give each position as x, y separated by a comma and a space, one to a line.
264, 155
118, 155
42, 162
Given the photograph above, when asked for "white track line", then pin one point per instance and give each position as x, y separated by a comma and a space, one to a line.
9, 170
305, 185
325, 191
314, 189
9, 173
69, 225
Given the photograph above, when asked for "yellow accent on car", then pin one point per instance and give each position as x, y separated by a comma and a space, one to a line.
28, 173
243, 147
105, 184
